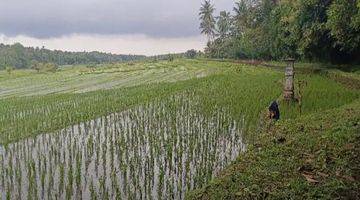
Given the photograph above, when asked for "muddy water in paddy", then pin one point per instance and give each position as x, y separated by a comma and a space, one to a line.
156, 151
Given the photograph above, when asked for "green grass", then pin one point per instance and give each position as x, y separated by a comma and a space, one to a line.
320, 93
323, 146
308, 156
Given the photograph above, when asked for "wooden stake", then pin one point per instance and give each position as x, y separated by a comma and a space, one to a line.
289, 80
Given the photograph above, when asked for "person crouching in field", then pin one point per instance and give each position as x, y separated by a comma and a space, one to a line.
274, 112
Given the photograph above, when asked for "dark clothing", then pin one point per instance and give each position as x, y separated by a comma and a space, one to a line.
274, 108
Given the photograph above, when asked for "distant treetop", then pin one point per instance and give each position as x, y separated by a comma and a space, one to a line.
24, 57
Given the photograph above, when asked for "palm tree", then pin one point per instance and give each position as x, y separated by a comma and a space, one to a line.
207, 24
241, 12
223, 24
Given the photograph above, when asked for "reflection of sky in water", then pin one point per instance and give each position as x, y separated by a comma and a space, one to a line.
157, 151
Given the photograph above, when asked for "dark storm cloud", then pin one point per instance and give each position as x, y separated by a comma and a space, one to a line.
54, 18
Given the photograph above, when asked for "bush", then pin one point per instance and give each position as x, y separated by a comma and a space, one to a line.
45, 67
9, 69
191, 54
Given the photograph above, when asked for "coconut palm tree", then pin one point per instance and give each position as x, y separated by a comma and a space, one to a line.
223, 24
207, 24
241, 13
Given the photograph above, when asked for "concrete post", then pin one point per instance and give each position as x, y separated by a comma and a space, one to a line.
289, 93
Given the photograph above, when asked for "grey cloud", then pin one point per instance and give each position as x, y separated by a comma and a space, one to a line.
54, 18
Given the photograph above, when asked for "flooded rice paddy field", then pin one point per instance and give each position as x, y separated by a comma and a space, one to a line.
158, 150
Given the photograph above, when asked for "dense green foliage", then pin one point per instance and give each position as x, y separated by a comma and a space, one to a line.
21, 57
316, 30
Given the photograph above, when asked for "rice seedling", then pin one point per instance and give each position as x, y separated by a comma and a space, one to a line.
146, 142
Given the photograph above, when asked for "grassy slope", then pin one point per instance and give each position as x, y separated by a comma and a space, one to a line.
315, 156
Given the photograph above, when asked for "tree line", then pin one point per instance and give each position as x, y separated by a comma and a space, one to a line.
313, 30
17, 56
189, 54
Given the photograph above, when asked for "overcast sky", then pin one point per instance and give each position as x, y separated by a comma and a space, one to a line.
119, 26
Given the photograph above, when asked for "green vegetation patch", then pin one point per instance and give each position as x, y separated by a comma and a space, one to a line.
311, 157
319, 93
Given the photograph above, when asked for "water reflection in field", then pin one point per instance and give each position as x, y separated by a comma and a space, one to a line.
154, 151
